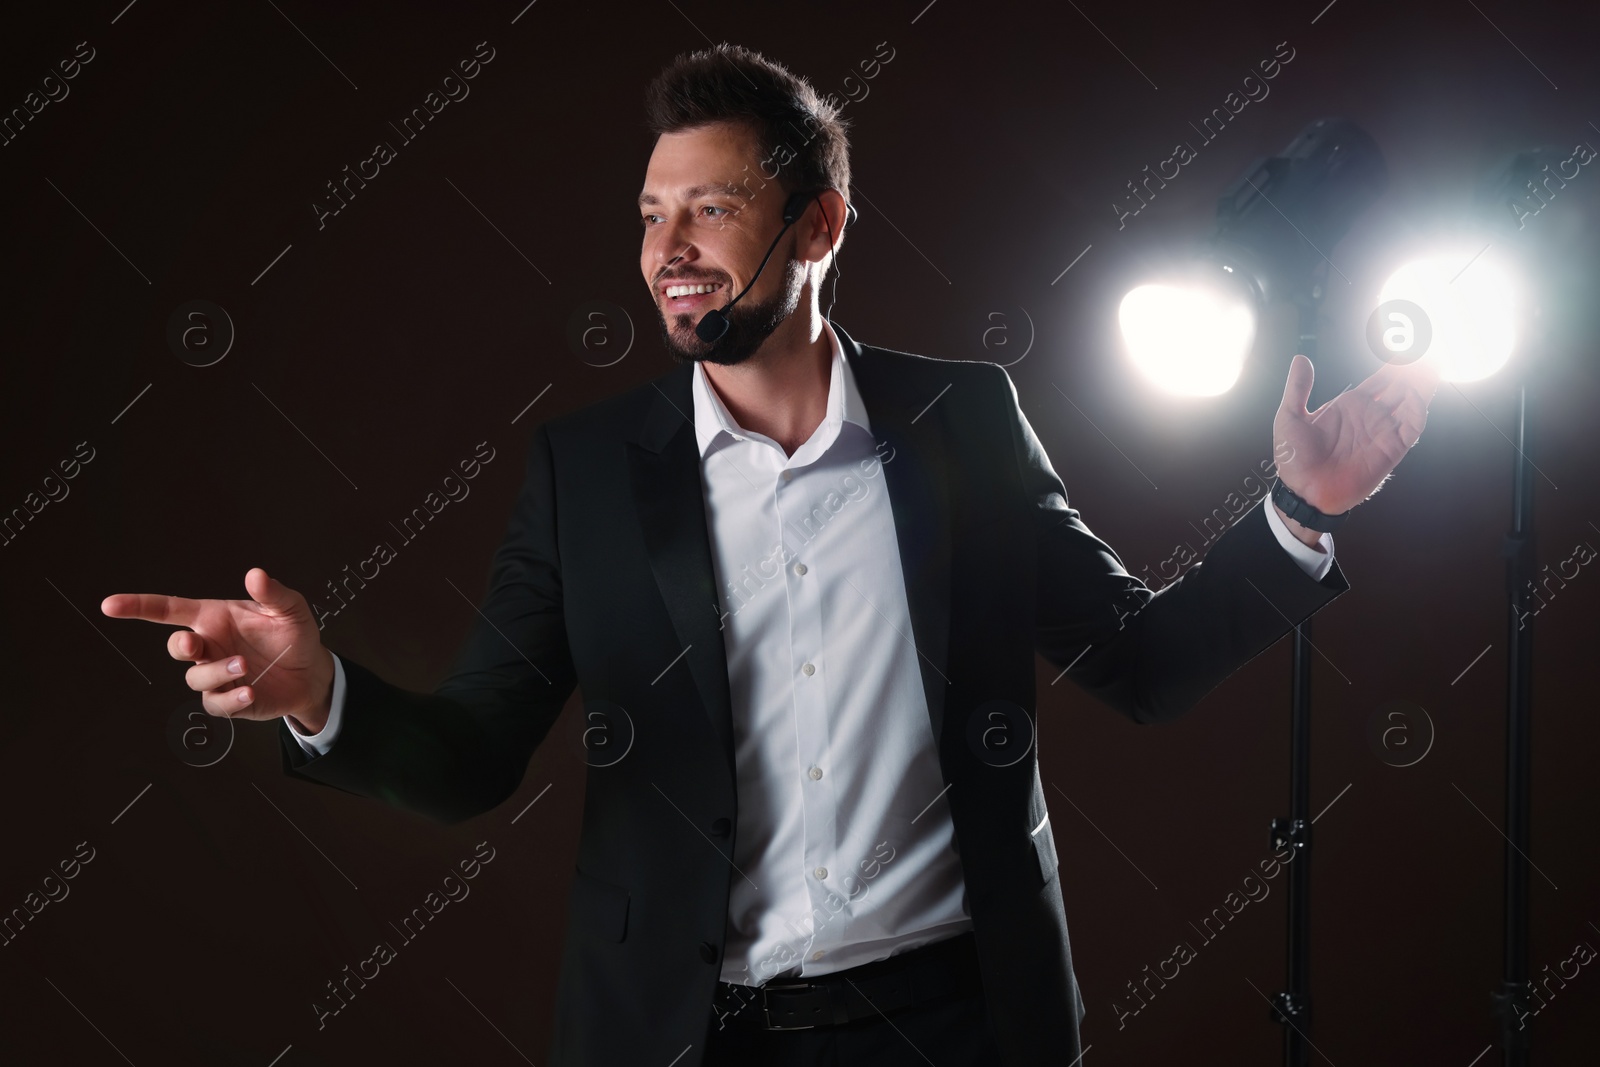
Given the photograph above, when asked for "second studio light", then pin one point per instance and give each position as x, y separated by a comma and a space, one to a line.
1465, 306
1461, 313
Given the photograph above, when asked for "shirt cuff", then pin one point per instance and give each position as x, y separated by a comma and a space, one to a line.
318, 744
1314, 563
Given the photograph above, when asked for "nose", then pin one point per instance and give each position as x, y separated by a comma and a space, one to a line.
670, 247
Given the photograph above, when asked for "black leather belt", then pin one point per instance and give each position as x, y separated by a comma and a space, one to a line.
927, 973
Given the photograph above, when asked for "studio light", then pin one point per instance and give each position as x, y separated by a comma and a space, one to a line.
1463, 314
1192, 339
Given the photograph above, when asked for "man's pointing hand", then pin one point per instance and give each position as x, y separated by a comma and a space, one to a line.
260, 658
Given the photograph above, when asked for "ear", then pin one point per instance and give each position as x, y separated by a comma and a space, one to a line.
822, 227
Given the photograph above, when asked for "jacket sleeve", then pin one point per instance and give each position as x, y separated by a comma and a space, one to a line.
463, 749
1153, 655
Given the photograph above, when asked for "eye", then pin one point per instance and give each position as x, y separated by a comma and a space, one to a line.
644, 220
713, 207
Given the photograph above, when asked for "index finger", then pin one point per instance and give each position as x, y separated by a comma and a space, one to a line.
152, 607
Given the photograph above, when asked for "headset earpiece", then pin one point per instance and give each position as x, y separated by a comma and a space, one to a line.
795, 206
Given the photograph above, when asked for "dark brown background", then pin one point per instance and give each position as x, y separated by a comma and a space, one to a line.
408, 330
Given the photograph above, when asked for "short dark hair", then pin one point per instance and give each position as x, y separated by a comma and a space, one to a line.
801, 136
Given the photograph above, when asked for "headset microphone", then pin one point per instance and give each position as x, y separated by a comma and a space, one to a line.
714, 323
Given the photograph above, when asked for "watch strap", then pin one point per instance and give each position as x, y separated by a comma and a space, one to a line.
1303, 513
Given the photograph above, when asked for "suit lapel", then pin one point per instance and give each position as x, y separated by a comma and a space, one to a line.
664, 466
901, 407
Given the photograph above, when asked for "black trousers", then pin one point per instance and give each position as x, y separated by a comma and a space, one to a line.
949, 1032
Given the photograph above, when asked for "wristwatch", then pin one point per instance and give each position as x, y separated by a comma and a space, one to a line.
1303, 513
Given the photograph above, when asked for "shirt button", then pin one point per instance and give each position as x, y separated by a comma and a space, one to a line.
809, 668
821, 873
816, 773
817, 955
787, 475
799, 568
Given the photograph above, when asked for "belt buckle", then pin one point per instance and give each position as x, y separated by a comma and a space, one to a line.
766, 1009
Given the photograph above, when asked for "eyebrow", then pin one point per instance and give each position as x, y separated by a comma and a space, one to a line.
696, 191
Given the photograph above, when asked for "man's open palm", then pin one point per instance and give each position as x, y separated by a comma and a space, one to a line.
284, 668
1337, 456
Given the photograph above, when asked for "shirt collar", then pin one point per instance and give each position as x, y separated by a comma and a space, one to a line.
712, 419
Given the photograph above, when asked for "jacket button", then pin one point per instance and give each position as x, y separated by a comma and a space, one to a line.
708, 952
721, 827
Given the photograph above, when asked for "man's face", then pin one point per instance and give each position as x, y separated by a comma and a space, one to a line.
708, 216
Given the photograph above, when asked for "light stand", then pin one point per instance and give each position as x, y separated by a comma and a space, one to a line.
1292, 1005
1499, 196
1512, 1000
1273, 226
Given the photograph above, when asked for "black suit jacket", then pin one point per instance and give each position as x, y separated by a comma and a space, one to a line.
605, 578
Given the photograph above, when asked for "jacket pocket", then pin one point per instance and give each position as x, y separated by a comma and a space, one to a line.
597, 907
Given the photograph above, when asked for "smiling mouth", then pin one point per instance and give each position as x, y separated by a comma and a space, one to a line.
685, 296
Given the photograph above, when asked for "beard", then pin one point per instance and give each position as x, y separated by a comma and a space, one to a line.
749, 325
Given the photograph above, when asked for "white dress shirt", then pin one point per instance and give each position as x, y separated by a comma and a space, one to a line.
844, 844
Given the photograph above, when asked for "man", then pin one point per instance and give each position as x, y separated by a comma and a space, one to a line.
801, 582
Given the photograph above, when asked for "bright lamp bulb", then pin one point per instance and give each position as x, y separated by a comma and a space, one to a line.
1189, 340
1471, 309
